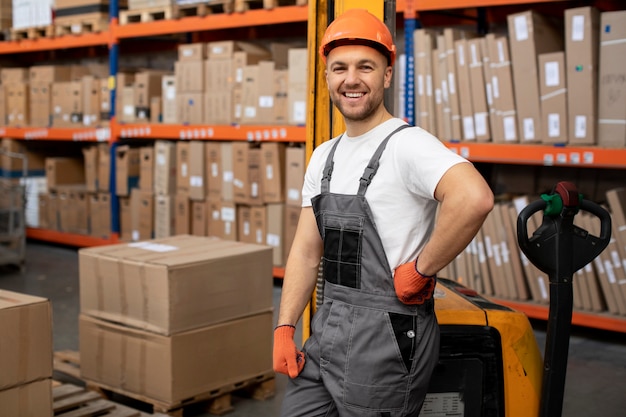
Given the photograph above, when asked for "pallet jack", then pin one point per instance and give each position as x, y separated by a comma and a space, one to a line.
490, 363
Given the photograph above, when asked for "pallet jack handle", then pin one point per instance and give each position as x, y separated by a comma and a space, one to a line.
559, 248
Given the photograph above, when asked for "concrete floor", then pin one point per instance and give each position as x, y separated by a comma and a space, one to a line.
596, 375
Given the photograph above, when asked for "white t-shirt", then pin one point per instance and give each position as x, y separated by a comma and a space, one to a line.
401, 194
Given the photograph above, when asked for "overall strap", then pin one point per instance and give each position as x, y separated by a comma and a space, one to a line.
328, 168
374, 163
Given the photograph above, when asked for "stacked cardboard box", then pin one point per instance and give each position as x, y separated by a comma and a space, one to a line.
26, 359
138, 337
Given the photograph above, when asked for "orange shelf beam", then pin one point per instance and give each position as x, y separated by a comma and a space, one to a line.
70, 239
57, 133
433, 5
251, 18
279, 272
62, 42
584, 157
210, 132
598, 321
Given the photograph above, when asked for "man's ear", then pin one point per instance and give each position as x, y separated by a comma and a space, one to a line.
388, 76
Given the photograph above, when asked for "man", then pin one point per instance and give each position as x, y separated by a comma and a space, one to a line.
385, 207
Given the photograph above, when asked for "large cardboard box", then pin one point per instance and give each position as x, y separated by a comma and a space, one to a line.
612, 88
175, 368
554, 93
164, 167
582, 26
175, 284
530, 35
33, 399
64, 171
294, 171
127, 165
25, 339
222, 220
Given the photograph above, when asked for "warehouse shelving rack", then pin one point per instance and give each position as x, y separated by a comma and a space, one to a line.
408, 11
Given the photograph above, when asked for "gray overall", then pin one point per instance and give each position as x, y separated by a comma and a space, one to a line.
369, 355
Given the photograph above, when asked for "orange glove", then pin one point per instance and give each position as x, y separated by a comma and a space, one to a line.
411, 286
288, 359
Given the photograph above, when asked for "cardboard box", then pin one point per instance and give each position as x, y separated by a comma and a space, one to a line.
25, 339
49, 73
256, 176
64, 171
502, 85
105, 101
465, 92
214, 175
127, 105
146, 168
241, 178
273, 169
199, 218
127, 166
76, 103
218, 280
582, 26
90, 157
172, 369
423, 46
18, 106
218, 108
298, 93
147, 85
281, 96
91, 106
192, 51
190, 108
612, 88
182, 167
291, 218
251, 82
554, 92
164, 216
228, 49
155, 110
266, 93
100, 215
142, 214
32, 399
294, 174
275, 232
530, 34
197, 171
104, 167
219, 75
189, 77
182, 214
40, 97
222, 220
165, 167
228, 189
477, 88
168, 99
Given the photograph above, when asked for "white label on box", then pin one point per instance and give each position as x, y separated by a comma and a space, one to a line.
578, 28
529, 128
609, 271
259, 237
273, 239
254, 189
438, 95
217, 49
468, 128
129, 110
187, 52
238, 183
135, 235
552, 74
228, 214
215, 214
246, 228
214, 169
184, 171
227, 228
554, 125
420, 85
542, 287
269, 171
449, 404
461, 54
76, 28
495, 87
500, 52
266, 101
227, 176
444, 91
239, 75
429, 85
521, 28
237, 111
473, 55
451, 83
249, 111
580, 126
509, 128
488, 90
299, 111
293, 194
154, 247
170, 93
160, 159
481, 123
57, 109
195, 181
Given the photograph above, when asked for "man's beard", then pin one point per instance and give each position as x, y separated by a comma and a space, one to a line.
356, 115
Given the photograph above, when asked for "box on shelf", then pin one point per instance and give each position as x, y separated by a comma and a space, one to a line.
182, 214
64, 171
25, 339
554, 91
298, 94
32, 399
127, 165
294, 174
168, 99
172, 369
142, 214
222, 220
164, 167
218, 280
146, 168
164, 219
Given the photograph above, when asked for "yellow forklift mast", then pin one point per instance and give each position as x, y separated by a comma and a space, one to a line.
490, 364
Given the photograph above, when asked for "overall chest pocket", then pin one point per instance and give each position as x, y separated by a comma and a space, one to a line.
343, 245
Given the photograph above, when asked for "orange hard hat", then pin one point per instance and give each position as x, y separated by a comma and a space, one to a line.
358, 27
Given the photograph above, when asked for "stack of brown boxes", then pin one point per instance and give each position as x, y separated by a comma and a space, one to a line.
189, 70
171, 319
26, 359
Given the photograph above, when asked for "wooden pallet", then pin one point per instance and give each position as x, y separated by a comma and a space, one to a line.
216, 402
71, 400
149, 14
204, 9
81, 24
245, 5
67, 362
32, 33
